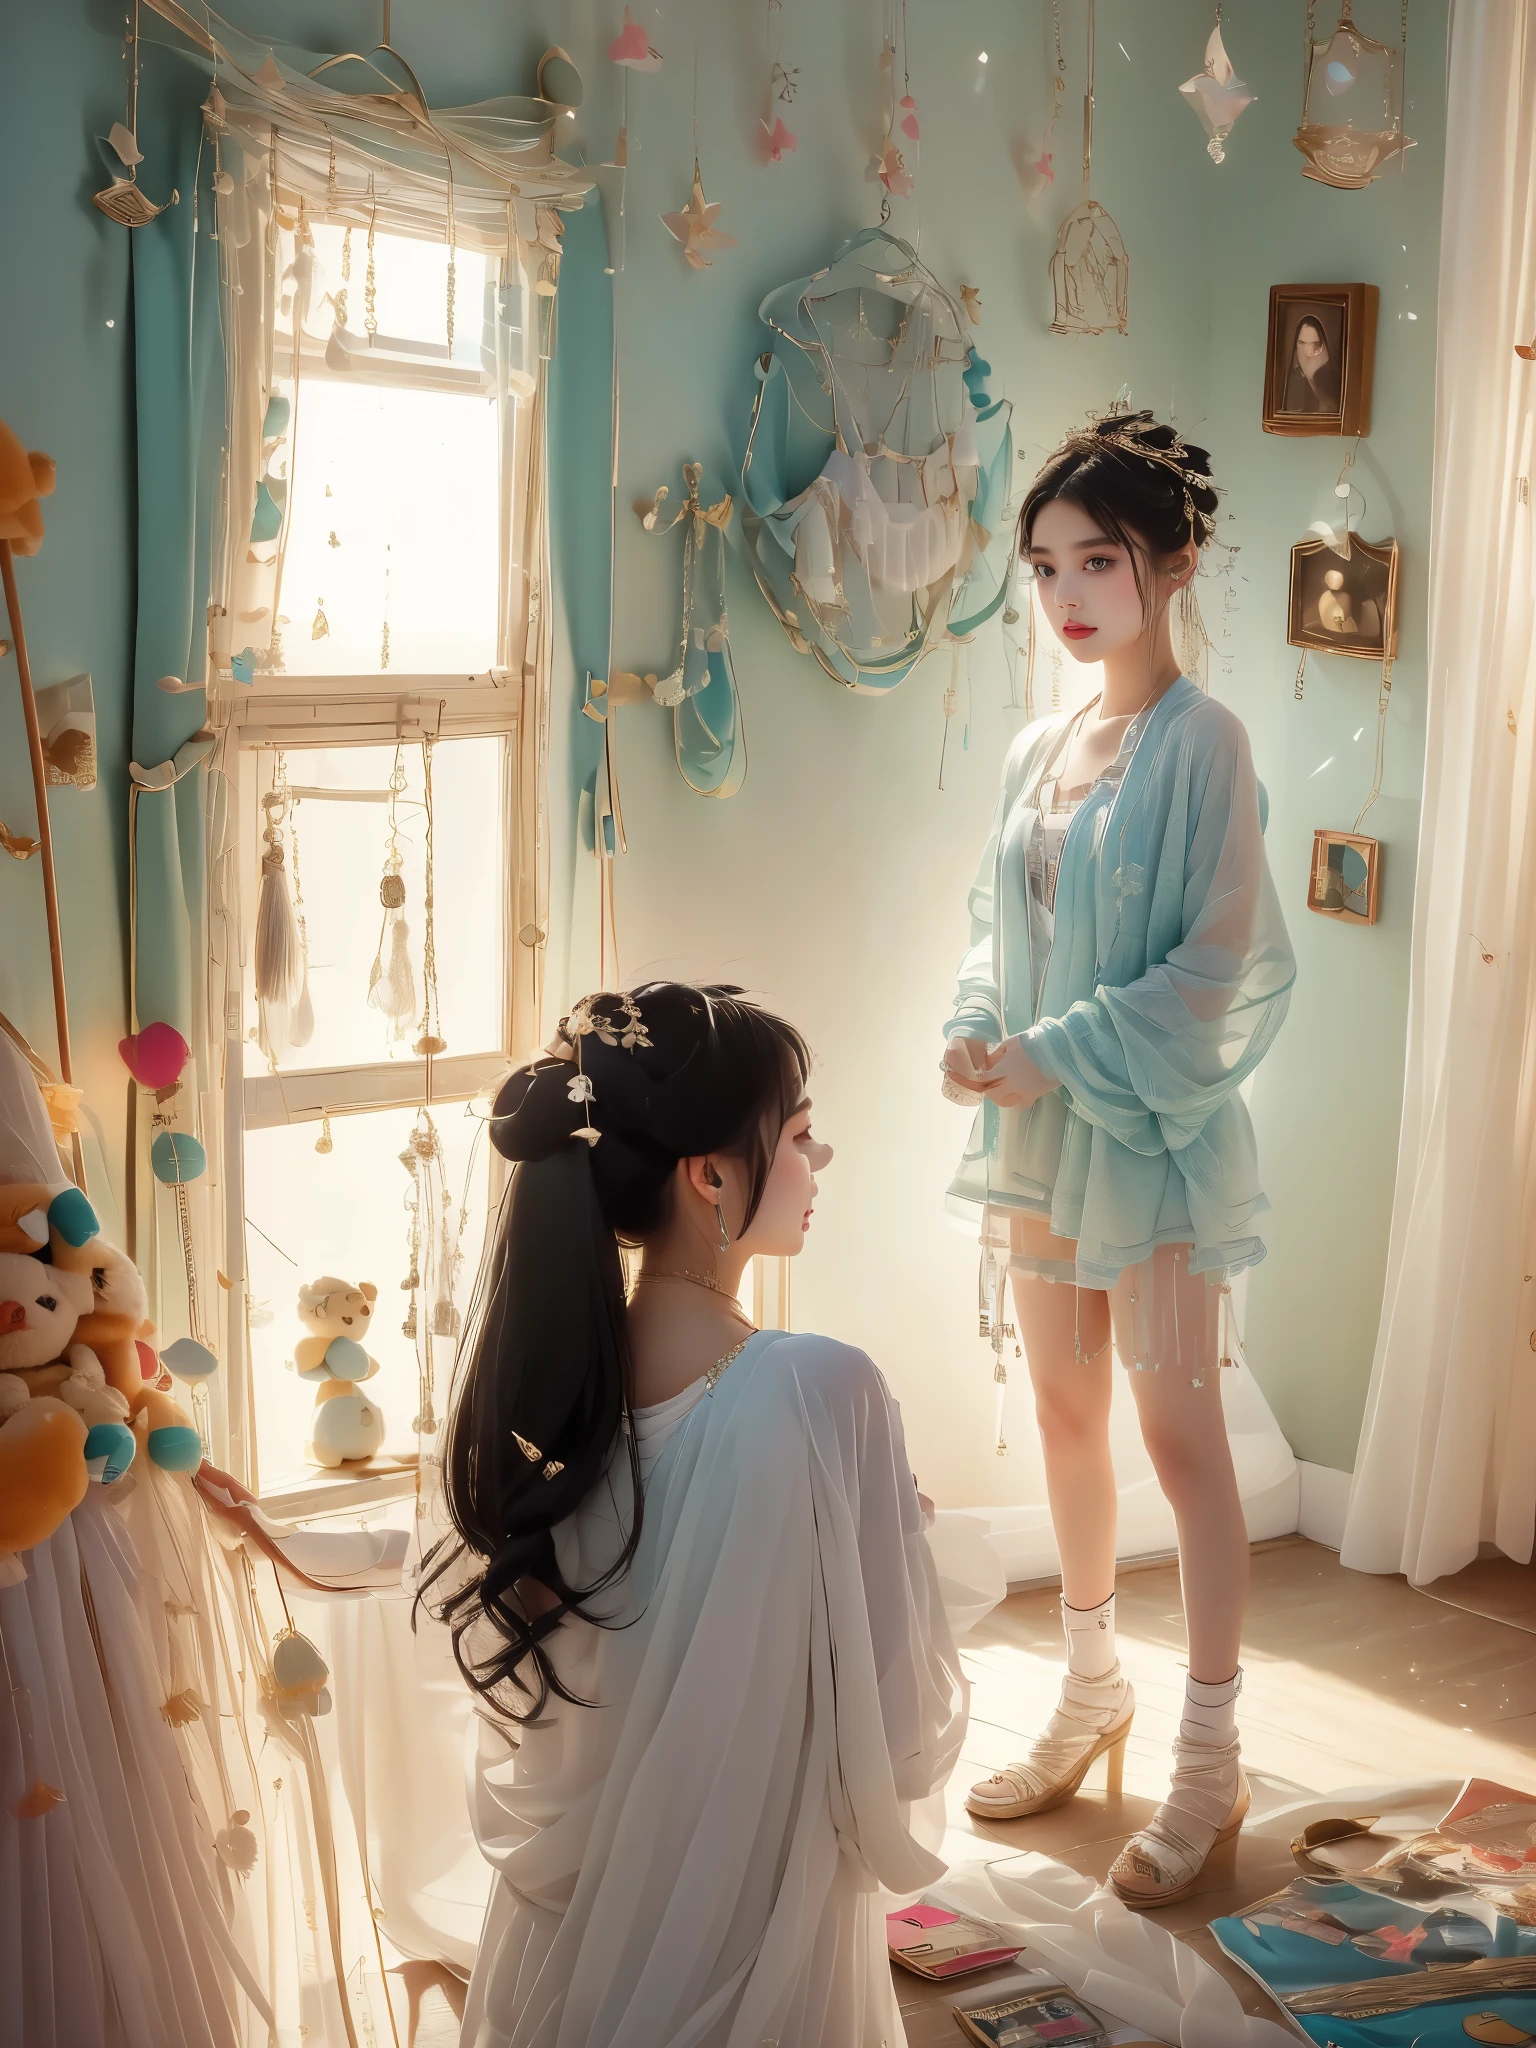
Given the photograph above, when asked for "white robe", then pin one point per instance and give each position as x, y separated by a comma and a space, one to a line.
695, 1862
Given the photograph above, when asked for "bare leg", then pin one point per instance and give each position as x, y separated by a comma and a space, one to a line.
1065, 1334
1182, 1425
1072, 1412
1166, 1328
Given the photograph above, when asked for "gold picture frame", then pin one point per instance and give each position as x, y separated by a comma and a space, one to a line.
1320, 358
1344, 880
1344, 604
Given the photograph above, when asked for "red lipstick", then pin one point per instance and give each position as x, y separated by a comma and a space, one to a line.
1074, 631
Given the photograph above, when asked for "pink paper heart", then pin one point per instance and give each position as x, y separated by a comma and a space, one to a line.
154, 1056
909, 126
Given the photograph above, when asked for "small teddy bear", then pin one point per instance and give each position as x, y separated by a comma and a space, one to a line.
346, 1424
61, 1425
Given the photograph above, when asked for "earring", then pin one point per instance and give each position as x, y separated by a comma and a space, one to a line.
725, 1236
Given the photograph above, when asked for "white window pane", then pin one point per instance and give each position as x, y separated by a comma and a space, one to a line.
339, 860
394, 523
344, 1213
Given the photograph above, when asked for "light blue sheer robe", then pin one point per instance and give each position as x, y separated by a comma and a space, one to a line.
1149, 996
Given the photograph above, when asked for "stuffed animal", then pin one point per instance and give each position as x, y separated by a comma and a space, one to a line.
346, 1423
24, 479
33, 1214
61, 1425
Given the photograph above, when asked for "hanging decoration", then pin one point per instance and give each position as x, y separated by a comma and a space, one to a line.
783, 83
122, 201
436, 1258
431, 1041
1352, 103
896, 167
281, 966
1216, 94
1090, 271
701, 691
871, 384
694, 226
391, 984
1043, 165
632, 48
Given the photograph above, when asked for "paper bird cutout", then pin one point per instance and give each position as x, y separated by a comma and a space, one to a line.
777, 139
1217, 95
631, 46
695, 226
970, 298
1042, 164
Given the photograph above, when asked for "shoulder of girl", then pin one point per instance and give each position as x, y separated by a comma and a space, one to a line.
824, 1362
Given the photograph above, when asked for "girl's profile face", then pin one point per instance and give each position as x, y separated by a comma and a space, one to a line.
1087, 582
783, 1218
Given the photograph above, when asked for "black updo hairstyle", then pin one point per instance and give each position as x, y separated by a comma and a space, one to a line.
1139, 479
545, 1361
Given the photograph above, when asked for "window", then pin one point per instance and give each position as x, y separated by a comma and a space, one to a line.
375, 738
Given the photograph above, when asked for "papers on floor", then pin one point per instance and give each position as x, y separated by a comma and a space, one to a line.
1426, 1940
1033, 2006
934, 1943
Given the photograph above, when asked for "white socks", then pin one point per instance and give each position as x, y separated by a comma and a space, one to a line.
1210, 1711
1094, 1689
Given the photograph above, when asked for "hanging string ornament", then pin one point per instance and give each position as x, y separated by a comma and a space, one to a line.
1352, 106
1090, 271
279, 950
431, 1041
391, 984
122, 201
1044, 164
896, 167
1217, 94
701, 691
774, 138
301, 1022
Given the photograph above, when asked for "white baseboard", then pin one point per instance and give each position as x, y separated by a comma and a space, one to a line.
1324, 1500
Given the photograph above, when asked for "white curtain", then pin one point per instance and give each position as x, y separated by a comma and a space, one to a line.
1448, 1453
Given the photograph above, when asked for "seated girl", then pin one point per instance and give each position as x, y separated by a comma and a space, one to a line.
690, 1581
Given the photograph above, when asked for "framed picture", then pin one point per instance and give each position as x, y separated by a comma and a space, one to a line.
1317, 368
1345, 880
1344, 605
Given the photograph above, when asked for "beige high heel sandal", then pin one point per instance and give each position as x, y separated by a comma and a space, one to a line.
1159, 1865
1057, 1765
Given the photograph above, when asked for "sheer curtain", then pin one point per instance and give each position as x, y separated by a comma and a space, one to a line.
1448, 1453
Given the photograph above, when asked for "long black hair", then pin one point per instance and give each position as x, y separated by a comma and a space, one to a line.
1145, 485
544, 1383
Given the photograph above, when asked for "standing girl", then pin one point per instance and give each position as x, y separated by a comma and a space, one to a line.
1128, 969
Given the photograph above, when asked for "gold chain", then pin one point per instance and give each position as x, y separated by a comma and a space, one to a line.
704, 1280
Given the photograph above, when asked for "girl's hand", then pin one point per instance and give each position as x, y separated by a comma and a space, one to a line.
964, 1065
1010, 1078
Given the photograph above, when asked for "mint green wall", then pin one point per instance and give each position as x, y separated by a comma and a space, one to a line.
835, 883
1327, 1101
65, 378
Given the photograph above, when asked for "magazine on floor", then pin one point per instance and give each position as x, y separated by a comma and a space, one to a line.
1485, 1844
1356, 1967
1030, 2007
932, 1942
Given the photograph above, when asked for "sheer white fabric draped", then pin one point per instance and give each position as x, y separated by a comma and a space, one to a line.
697, 1859
1447, 1456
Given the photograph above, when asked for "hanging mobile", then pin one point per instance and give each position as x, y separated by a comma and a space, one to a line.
897, 165
1090, 271
122, 201
1352, 103
279, 950
391, 984
1217, 94
774, 138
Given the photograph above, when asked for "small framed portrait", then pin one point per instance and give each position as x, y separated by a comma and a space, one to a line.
1345, 881
1322, 348
1344, 604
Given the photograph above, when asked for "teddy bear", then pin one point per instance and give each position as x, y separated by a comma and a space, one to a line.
346, 1424
34, 1214
24, 479
61, 1425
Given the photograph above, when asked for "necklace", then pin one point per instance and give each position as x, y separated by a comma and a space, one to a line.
704, 1280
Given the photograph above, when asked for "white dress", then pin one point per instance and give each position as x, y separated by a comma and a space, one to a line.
696, 1861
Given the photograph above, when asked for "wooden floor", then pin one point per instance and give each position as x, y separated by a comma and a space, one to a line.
1347, 1678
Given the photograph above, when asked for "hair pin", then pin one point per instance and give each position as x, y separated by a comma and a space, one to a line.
530, 1451
552, 1468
